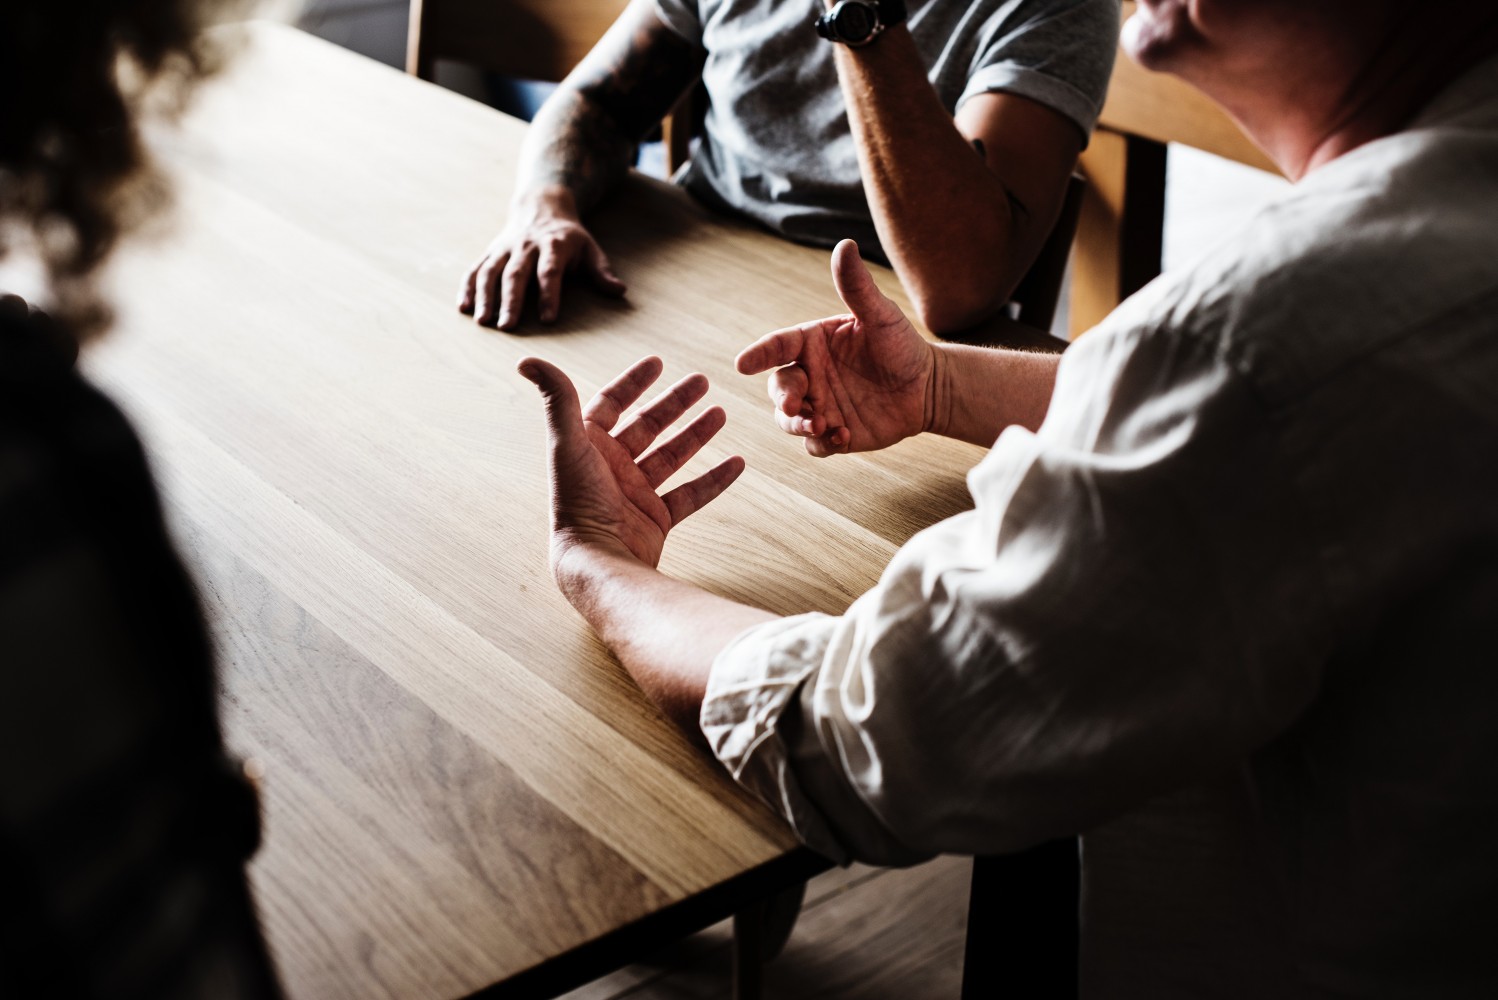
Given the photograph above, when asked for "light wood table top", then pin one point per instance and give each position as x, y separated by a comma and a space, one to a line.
462, 787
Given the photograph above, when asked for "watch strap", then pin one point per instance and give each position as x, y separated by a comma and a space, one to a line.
891, 12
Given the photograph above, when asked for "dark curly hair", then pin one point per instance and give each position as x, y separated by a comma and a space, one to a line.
77, 78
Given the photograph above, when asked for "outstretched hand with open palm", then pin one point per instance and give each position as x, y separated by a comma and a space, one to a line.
603, 480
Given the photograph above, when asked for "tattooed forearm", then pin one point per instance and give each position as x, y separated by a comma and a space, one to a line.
578, 148
584, 138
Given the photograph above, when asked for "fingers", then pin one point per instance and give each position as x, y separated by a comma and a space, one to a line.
468, 290
664, 462
855, 285
646, 425
567, 431
549, 270
486, 283
564, 417
619, 395
602, 274
774, 349
833, 442
517, 275
788, 387
691, 497
794, 412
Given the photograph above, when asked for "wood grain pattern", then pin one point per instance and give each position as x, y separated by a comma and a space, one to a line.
461, 781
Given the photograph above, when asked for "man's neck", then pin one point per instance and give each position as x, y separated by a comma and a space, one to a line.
1400, 82
1414, 63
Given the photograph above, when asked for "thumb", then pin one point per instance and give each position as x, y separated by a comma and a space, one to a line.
564, 414
855, 285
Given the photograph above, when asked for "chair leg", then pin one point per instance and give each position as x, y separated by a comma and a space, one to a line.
1022, 933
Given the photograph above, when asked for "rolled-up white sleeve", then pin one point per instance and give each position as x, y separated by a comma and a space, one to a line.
1128, 605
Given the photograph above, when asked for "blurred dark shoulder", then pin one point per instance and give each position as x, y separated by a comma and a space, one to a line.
124, 826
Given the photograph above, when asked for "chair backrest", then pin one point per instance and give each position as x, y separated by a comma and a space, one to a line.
528, 39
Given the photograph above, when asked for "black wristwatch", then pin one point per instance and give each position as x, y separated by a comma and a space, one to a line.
859, 22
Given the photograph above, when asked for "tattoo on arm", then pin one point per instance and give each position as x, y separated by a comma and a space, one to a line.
1017, 209
584, 152
623, 89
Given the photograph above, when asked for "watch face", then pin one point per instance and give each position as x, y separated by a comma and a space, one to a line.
855, 21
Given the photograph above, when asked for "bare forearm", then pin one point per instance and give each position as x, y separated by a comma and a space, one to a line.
665, 632
573, 155
942, 215
978, 391
584, 137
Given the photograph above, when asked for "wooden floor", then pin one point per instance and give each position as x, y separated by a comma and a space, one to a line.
876, 934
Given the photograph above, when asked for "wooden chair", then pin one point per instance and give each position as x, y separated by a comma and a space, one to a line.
526, 39
1120, 231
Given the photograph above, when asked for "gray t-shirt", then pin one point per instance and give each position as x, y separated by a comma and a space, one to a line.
777, 145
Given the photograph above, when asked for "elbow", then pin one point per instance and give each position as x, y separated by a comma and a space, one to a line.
949, 309
951, 300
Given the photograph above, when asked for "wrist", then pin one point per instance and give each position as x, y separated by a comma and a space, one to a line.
938, 415
550, 201
581, 562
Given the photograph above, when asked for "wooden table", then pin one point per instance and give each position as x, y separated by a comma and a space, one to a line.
464, 791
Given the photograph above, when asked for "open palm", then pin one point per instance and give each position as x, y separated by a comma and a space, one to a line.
856, 382
603, 479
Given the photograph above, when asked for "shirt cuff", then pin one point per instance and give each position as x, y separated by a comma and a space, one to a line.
754, 682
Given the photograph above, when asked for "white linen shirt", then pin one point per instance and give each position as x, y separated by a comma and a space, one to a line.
1257, 535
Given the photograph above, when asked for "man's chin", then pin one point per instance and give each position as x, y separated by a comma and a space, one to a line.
1149, 38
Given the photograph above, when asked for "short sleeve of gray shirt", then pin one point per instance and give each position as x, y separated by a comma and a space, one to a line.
777, 145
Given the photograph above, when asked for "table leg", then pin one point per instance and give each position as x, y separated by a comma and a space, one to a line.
760, 932
1022, 930
748, 951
